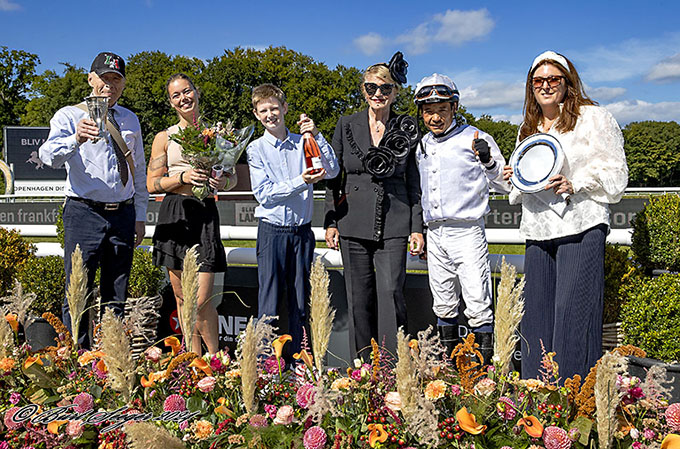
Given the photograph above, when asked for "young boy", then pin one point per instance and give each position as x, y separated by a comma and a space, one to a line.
283, 186
457, 163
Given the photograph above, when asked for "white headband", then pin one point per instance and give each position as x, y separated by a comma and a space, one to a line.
561, 60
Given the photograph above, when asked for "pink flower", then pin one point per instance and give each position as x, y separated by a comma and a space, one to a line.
84, 402
393, 401
637, 445
14, 398
672, 415
63, 353
258, 421
305, 395
506, 408
556, 438
207, 384
455, 390
9, 423
315, 438
284, 416
183, 425
271, 410
485, 387
153, 354
356, 375
574, 434
648, 434
4, 445
174, 403
74, 429
271, 365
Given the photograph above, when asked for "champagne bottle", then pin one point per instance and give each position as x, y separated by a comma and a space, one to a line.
312, 152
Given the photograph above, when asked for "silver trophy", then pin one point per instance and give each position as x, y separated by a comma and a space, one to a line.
98, 106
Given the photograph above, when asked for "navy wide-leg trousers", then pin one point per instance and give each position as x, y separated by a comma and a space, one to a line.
564, 299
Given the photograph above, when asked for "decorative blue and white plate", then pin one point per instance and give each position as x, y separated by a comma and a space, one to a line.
535, 160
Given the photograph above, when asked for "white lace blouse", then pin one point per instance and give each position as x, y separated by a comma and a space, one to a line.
595, 163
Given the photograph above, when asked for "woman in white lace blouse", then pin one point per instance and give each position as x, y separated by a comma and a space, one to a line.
564, 259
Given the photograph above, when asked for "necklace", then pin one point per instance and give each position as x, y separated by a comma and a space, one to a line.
378, 125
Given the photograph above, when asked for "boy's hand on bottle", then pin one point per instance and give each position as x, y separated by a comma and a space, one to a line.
307, 125
310, 178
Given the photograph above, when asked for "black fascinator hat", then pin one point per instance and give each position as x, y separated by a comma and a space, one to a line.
398, 67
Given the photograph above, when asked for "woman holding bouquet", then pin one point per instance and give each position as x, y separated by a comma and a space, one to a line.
373, 210
184, 220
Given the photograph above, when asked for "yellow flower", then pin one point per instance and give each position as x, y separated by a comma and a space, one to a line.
672, 441
203, 429
278, 344
233, 374
435, 390
306, 357
377, 434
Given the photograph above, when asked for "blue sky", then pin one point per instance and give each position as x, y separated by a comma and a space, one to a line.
627, 52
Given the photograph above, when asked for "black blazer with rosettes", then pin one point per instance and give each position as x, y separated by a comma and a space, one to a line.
361, 206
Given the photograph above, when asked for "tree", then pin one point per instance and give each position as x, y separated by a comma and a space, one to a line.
653, 153
17, 71
52, 92
146, 75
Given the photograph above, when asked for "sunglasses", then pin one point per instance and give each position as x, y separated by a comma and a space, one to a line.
372, 88
553, 81
437, 90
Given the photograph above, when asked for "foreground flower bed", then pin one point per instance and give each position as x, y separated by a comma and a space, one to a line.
66, 397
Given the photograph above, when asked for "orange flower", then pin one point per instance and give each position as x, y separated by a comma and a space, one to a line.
53, 426
377, 434
153, 378
221, 409
6, 364
532, 426
278, 344
435, 390
672, 441
31, 360
468, 422
201, 364
203, 429
101, 366
12, 319
174, 344
88, 356
413, 344
306, 357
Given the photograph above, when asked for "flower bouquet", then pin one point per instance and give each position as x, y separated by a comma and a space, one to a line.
215, 148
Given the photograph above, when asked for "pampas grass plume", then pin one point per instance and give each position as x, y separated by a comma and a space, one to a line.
607, 396
509, 313
254, 341
321, 314
76, 293
6, 338
117, 355
405, 372
145, 435
189, 307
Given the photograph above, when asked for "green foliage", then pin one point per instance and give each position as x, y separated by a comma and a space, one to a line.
617, 265
145, 277
651, 316
653, 153
656, 234
45, 277
14, 251
17, 71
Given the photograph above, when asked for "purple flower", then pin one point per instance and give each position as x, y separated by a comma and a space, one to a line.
84, 402
14, 398
272, 366
648, 434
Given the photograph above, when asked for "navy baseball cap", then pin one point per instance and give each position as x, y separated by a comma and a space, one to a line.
107, 62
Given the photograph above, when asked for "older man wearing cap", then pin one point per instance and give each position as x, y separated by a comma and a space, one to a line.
106, 196
457, 164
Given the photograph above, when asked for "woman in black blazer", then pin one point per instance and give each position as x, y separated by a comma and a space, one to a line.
373, 210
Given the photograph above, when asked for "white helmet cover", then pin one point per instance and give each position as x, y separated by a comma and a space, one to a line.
434, 96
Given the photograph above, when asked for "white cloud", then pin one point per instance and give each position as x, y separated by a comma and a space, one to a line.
370, 44
493, 94
605, 93
515, 119
667, 70
9, 5
453, 28
629, 59
638, 110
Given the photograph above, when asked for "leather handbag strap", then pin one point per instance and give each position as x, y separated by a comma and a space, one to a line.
115, 135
